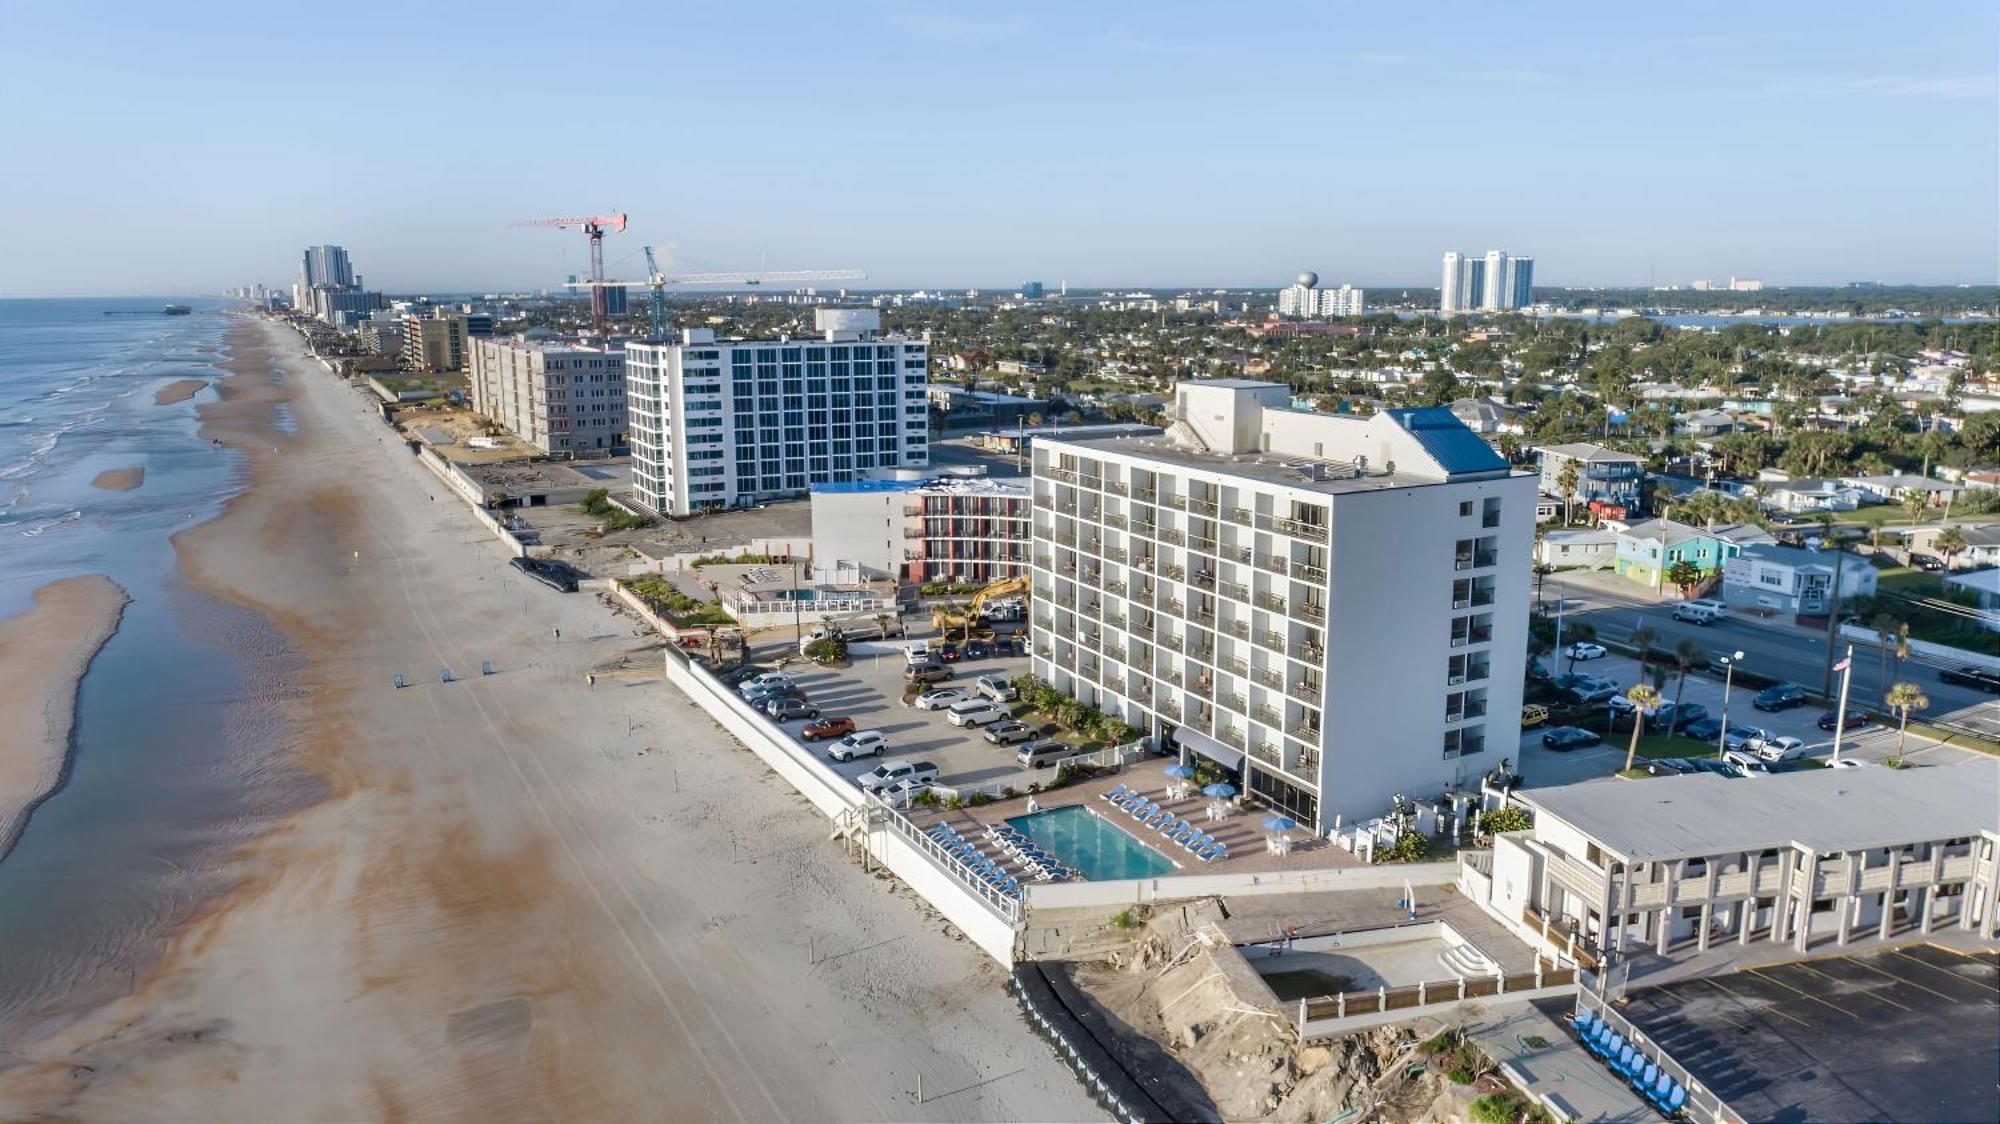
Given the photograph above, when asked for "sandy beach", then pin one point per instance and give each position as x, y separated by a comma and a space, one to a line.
524, 898
180, 390
119, 479
44, 652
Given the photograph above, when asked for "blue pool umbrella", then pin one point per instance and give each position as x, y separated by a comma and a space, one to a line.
1219, 790
1280, 823
1178, 771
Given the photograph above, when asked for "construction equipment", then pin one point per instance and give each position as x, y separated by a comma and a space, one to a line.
594, 226
657, 281
949, 618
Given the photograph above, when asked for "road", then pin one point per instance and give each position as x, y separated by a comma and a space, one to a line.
1614, 607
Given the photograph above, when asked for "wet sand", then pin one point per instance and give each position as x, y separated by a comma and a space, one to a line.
119, 479
44, 652
180, 390
523, 897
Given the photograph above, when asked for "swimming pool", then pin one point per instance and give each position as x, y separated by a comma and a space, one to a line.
1094, 845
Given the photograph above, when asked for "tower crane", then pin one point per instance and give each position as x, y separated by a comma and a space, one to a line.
658, 281
594, 226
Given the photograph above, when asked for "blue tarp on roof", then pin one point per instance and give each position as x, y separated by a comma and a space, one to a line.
1456, 448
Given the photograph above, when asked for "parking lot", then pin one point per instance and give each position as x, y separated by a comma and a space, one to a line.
870, 691
1904, 1034
1872, 743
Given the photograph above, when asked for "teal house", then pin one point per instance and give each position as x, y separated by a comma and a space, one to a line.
1646, 551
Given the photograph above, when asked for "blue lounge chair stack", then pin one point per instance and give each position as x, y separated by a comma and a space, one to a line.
1039, 864
1647, 1078
978, 866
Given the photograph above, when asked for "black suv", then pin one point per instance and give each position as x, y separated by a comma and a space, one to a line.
1782, 696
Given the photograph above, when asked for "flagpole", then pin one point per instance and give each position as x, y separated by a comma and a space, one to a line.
1846, 669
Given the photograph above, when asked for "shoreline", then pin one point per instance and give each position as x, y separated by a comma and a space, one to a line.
45, 651
119, 479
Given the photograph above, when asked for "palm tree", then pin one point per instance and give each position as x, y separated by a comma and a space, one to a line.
1913, 506
1643, 638
1686, 654
1949, 542
1567, 479
1644, 701
1903, 698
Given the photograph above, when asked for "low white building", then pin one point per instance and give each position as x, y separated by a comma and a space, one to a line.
1984, 586
1594, 549
918, 529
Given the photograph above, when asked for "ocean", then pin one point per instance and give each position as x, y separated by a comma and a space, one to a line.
178, 726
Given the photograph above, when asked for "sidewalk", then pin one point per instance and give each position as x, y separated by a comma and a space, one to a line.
1562, 1073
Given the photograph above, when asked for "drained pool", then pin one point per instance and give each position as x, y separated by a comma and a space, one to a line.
1094, 845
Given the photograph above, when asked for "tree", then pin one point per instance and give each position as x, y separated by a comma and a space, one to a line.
1643, 638
1949, 542
1913, 505
1686, 577
1904, 698
1687, 654
1568, 477
1644, 701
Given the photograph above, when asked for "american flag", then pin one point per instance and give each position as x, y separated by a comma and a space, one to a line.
1843, 665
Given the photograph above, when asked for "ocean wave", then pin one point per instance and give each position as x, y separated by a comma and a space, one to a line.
36, 530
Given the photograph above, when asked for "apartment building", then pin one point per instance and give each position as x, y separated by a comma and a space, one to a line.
1675, 865
434, 343
724, 422
926, 529
557, 396
1333, 605
1607, 481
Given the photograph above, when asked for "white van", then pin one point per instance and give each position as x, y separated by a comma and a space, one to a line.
1040, 755
975, 712
1706, 611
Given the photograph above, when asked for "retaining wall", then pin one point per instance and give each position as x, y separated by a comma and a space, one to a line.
1924, 651
1145, 891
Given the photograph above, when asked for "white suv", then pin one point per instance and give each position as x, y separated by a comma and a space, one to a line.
996, 688
975, 712
860, 743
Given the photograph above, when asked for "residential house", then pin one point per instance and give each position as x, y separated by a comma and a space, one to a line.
1593, 549
1982, 544
1608, 481
1984, 585
1808, 494
1793, 580
1487, 417
1646, 551
1895, 489
1708, 423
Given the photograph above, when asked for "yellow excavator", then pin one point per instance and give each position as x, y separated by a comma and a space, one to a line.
955, 622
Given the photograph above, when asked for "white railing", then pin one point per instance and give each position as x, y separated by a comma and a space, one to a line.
1005, 906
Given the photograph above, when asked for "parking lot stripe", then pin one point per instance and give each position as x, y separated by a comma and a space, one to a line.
1947, 971
1745, 1000
1907, 980
1836, 979
1805, 994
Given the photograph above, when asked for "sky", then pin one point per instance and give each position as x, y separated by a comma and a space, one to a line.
182, 148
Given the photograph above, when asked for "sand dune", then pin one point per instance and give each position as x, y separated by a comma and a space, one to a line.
43, 654
180, 390
119, 479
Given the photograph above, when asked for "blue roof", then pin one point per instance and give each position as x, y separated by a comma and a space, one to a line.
1449, 441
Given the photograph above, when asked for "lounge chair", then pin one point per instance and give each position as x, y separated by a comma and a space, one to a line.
1160, 819
1129, 801
1114, 794
1607, 1045
1644, 1078
1658, 1093
1196, 842
1210, 853
1675, 1099
1582, 1023
1628, 1060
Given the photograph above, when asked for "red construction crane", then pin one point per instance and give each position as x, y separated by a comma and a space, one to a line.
595, 226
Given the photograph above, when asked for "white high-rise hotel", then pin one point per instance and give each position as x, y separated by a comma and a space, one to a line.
720, 423
1336, 605
1496, 283
1304, 298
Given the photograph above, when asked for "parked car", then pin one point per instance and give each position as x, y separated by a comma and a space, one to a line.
918, 653
1711, 765
763, 697
1671, 716
790, 709
1846, 763
861, 743
765, 681
901, 793
1566, 738
1533, 715
1856, 718
1775, 749
996, 688
1008, 733
1746, 763
1040, 755
977, 650
1972, 675
1744, 737
1590, 689
927, 673
975, 712
896, 769
741, 673
946, 653
1705, 729
1585, 650
827, 728
1930, 562
1537, 669
1780, 696
941, 698
1665, 767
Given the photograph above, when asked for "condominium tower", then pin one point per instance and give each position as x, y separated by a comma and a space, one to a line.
720, 423
558, 397
1496, 283
1306, 300
1336, 606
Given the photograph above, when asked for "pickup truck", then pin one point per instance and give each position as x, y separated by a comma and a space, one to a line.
897, 769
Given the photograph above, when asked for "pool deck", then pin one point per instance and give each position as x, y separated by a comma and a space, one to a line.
1242, 830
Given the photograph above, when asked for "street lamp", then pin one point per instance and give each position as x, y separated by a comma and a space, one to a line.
1728, 677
